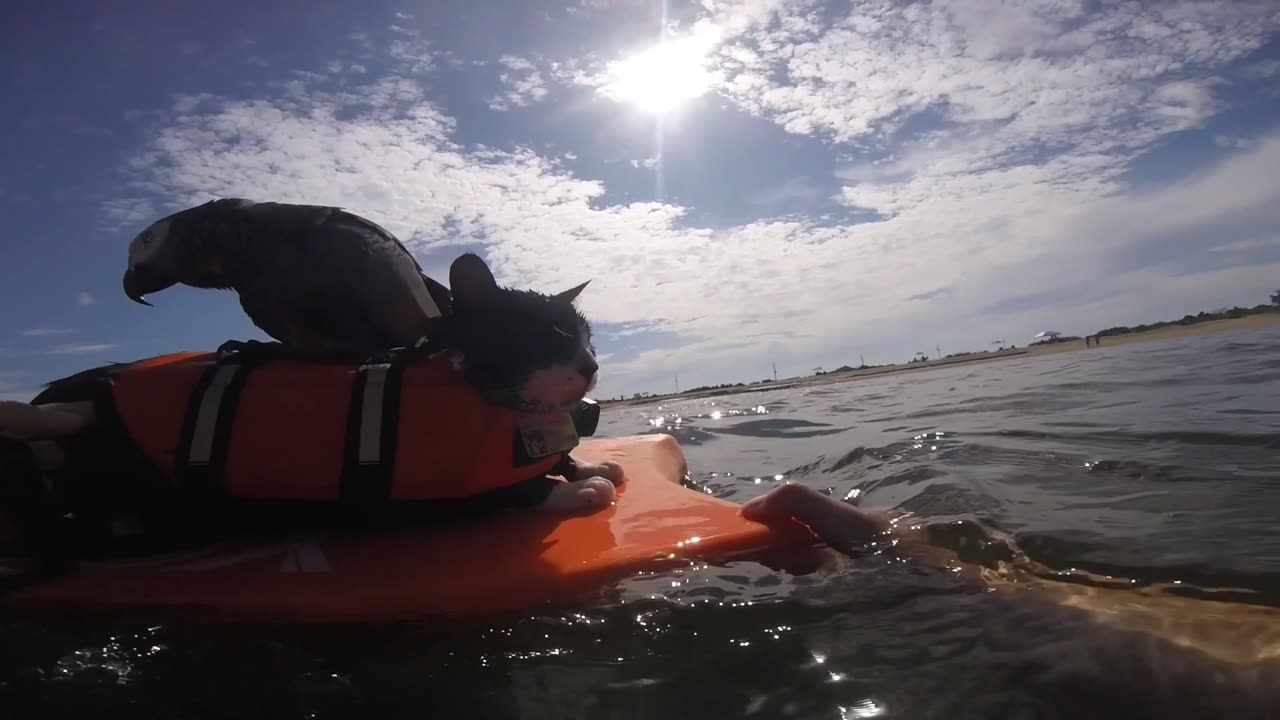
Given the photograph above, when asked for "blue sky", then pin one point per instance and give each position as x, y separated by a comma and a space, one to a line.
790, 182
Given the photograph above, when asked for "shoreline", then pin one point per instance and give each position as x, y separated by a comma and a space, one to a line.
1172, 332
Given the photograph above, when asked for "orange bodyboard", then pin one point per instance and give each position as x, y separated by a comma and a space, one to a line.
506, 563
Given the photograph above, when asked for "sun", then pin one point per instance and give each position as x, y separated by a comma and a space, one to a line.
663, 77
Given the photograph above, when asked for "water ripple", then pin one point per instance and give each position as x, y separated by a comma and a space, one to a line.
1131, 492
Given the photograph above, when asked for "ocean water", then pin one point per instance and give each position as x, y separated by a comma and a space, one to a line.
1140, 484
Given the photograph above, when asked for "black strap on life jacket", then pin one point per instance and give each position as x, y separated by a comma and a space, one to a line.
373, 418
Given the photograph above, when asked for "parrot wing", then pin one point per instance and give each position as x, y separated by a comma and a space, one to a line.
269, 316
322, 276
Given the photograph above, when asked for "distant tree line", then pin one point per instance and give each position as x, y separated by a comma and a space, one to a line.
845, 369
967, 353
722, 386
1235, 312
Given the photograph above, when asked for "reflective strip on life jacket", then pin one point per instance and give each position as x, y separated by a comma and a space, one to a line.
206, 428
372, 432
373, 387
209, 415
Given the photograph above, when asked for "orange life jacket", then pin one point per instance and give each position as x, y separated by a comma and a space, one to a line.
286, 429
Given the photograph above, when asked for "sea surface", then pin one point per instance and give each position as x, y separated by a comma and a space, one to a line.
1155, 465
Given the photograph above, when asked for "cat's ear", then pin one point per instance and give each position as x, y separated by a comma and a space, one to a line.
570, 294
470, 280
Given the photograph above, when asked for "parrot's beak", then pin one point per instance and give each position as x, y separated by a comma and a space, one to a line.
139, 281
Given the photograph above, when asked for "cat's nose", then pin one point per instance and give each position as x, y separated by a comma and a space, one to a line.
588, 367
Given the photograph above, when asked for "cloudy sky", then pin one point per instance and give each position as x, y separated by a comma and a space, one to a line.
743, 181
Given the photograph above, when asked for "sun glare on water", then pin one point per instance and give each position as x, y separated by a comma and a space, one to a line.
662, 78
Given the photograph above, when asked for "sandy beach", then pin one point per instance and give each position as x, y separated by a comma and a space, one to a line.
1171, 332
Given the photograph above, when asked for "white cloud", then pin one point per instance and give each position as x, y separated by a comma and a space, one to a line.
1256, 243
45, 332
412, 54
999, 148
84, 298
516, 63
523, 82
1187, 101
1235, 143
188, 103
1041, 72
128, 214
81, 349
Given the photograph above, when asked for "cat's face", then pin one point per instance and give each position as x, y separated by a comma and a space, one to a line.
519, 348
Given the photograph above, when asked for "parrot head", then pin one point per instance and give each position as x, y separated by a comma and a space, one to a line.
153, 262
519, 348
178, 248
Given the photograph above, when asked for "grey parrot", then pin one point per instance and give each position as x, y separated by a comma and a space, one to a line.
318, 279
